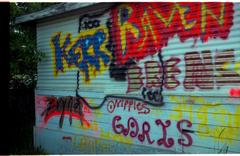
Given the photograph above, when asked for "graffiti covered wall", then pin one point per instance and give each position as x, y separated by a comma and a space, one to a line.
163, 76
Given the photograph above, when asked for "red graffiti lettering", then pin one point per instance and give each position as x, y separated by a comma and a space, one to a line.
62, 106
153, 74
140, 37
134, 78
226, 76
171, 70
199, 70
202, 71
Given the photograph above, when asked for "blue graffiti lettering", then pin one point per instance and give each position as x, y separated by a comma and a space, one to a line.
84, 43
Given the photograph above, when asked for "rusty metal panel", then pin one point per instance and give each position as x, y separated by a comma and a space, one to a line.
164, 76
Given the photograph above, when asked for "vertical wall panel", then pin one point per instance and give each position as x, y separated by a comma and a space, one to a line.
163, 76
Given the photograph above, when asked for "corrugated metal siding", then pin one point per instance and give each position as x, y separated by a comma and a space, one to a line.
194, 107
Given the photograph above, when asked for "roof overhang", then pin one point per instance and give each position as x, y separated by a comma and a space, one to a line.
59, 10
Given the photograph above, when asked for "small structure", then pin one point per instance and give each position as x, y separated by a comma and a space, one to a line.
138, 78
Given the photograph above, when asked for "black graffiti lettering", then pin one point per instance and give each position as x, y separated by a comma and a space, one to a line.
143, 93
156, 95
62, 104
151, 95
88, 22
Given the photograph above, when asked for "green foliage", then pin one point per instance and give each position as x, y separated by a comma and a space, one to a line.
24, 58
24, 55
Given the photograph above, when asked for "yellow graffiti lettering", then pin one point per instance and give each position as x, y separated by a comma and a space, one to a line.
78, 50
237, 67
84, 142
220, 115
65, 65
230, 66
182, 109
92, 69
203, 119
182, 11
236, 121
113, 136
92, 72
225, 134
166, 21
205, 11
146, 23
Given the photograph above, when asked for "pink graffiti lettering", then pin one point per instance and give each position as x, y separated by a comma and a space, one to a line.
180, 129
133, 130
166, 142
145, 132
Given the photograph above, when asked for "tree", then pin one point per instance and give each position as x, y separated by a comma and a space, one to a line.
24, 55
24, 58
